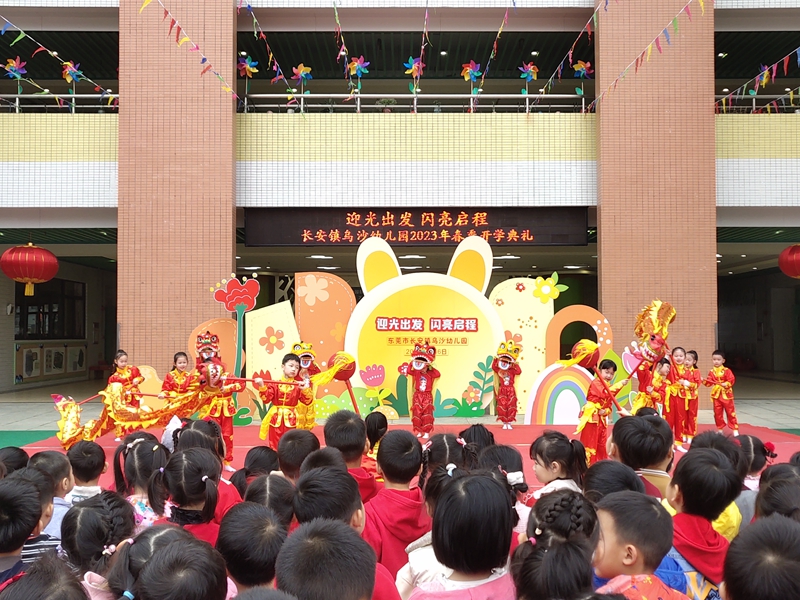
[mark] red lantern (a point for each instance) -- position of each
(29, 264)
(789, 261)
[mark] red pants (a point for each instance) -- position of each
(422, 412)
(276, 433)
(507, 404)
(722, 407)
(678, 409)
(691, 418)
(226, 425)
(593, 436)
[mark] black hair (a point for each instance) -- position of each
(377, 426)
(135, 462)
(49, 578)
(795, 459)
(718, 352)
(608, 476)
(263, 593)
(556, 561)
(643, 442)
(20, 512)
(274, 492)
(503, 480)
(293, 448)
(508, 461)
(177, 356)
(607, 363)
(13, 458)
(781, 496)
(479, 435)
(131, 558)
(438, 481)
(327, 494)
(641, 521)
(43, 482)
(763, 561)
(259, 460)
(554, 446)
(694, 354)
(250, 537)
(730, 448)
(473, 512)
(780, 471)
(399, 456)
(93, 528)
(755, 453)
(119, 354)
(52, 462)
(646, 411)
(198, 433)
(2, 471)
(190, 477)
(87, 459)
(326, 559)
(324, 458)
(346, 431)
(191, 570)
(443, 449)
(708, 482)
(664, 361)
(681, 348)
(289, 357)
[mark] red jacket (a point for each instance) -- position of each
(366, 483)
(208, 532)
(227, 497)
(385, 588)
(394, 519)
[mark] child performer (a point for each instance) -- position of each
(658, 387)
(677, 389)
(593, 425)
(692, 400)
(308, 368)
(720, 379)
(422, 371)
(177, 380)
(130, 378)
(285, 397)
(506, 367)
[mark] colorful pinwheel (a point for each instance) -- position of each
(70, 72)
(358, 66)
(302, 73)
(583, 69)
(247, 66)
(15, 68)
(470, 71)
(529, 71)
(414, 67)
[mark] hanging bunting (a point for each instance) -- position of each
(272, 62)
(494, 50)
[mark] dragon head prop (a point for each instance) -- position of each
(207, 346)
(652, 330)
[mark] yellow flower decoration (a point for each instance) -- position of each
(548, 289)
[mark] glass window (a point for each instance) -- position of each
(56, 311)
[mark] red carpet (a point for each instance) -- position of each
(521, 436)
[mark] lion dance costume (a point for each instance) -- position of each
(652, 330)
(282, 416)
(506, 369)
(306, 414)
(424, 375)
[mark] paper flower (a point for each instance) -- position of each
(15, 68)
(414, 67)
(272, 340)
(247, 66)
(471, 71)
(70, 72)
(358, 66)
(583, 69)
(302, 73)
(529, 71)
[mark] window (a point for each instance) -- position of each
(56, 311)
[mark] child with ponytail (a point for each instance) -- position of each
(559, 463)
(189, 481)
(443, 449)
(260, 460)
(134, 464)
(508, 462)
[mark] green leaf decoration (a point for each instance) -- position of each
(562, 288)
(554, 277)
(401, 405)
(242, 417)
(478, 374)
(579, 91)
(446, 408)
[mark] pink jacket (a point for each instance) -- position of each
(501, 588)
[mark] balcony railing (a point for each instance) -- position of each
(59, 103)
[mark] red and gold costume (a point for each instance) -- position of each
(644, 398)
(594, 418)
(677, 398)
(130, 378)
(424, 375)
(306, 413)
(176, 382)
(692, 401)
(658, 396)
(720, 380)
(282, 417)
(506, 370)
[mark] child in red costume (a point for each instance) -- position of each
(424, 375)
(721, 379)
(658, 387)
(130, 378)
(644, 375)
(284, 397)
(692, 399)
(506, 368)
(678, 390)
(308, 368)
(178, 380)
(593, 425)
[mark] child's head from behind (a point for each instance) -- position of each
(642, 442)
(190, 570)
(479, 435)
(704, 484)
(13, 458)
(377, 426)
(45, 486)
(259, 460)
(49, 578)
(608, 476)
(57, 466)
(290, 365)
(508, 461)
(93, 530)
(438, 481)
(443, 449)
(325, 559)
(399, 457)
(189, 480)
(635, 534)
(250, 537)
(88, 460)
(293, 448)
(263, 593)
(555, 456)
(135, 462)
(328, 494)
(727, 445)
(473, 512)
(20, 512)
(756, 453)
(274, 492)
(200, 434)
(763, 561)
(324, 458)
(347, 432)
(779, 495)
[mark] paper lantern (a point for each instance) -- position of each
(789, 261)
(29, 265)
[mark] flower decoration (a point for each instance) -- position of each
(529, 71)
(548, 289)
(583, 69)
(471, 395)
(358, 66)
(302, 74)
(520, 287)
(272, 340)
(313, 289)
(236, 293)
(471, 71)
(15, 68)
(414, 67)
(70, 72)
(514, 337)
(499, 302)
(373, 376)
(247, 66)
(338, 331)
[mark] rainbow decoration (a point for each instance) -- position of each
(558, 395)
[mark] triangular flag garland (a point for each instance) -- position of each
(342, 54)
(424, 43)
(180, 40)
(494, 50)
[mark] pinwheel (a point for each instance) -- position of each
(247, 66)
(70, 72)
(358, 66)
(471, 71)
(583, 69)
(15, 68)
(302, 74)
(529, 71)
(414, 67)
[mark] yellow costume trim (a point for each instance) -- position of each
(583, 349)
(341, 360)
(590, 409)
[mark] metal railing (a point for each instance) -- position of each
(59, 103)
(759, 103)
